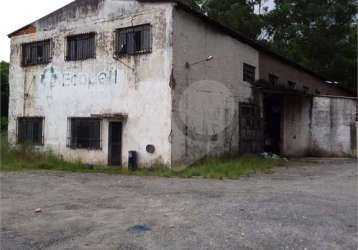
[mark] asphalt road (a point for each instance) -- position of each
(308, 206)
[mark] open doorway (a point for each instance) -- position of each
(273, 113)
(115, 144)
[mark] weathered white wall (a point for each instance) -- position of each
(206, 96)
(64, 89)
(333, 126)
(296, 125)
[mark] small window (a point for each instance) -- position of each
(81, 47)
(30, 130)
(85, 133)
(292, 85)
(305, 90)
(36, 53)
(273, 80)
(133, 40)
(249, 73)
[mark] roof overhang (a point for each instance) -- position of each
(279, 89)
(114, 116)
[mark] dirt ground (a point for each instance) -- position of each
(308, 206)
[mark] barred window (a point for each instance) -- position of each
(292, 85)
(81, 47)
(36, 53)
(133, 40)
(85, 133)
(249, 73)
(30, 130)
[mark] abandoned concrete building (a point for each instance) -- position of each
(97, 79)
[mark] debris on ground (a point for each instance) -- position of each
(38, 210)
(140, 228)
(272, 156)
(89, 166)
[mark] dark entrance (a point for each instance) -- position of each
(273, 110)
(251, 135)
(115, 144)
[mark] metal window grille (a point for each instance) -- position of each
(30, 130)
(249, 73)
(133, 40)
(292, 85)
(36, 53)
(251, 130)
(273, 79)
(81, 47)
(84, 133)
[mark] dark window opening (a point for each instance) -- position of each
(292, 85)
(305, 90)
(249, 73)
(318, 92)
(133, 40)
(273, 79)
(30, 130)
(36, 53)
(85, 133)
(81, 47)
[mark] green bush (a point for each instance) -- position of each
(25, 157)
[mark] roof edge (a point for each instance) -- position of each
(237, 35)
(255, 44)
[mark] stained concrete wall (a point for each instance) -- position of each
(102, 85)
(333, 126)
(296, 125)
(206, 95)
(319, 126)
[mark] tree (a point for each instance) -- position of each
(4, 81)
(237, 14)
(320, 35)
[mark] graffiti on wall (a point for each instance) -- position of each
(51, 77)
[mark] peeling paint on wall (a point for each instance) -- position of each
(103, 85)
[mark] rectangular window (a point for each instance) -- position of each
(81, 47)
(291, 85)
(273, 80)
(306, 90)
(85, 133)
(36, 53)
(133, 40)
(249, 73)
(29, 130)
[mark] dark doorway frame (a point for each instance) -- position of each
(250, 129)
(115, 143)
(273, 105)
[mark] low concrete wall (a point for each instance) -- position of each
(333, 128)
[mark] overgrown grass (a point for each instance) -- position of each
(26, 158)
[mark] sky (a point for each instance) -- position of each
(18, 13)
(15, 14)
